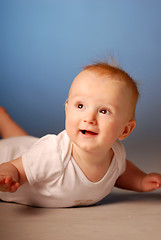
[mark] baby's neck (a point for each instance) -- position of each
(94, 165)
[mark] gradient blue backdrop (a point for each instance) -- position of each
(44, 44)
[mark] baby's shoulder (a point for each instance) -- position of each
(118, 148)
(119, 156)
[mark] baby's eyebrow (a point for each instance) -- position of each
(113, 106)
(77, 98)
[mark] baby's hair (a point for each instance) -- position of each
(117, 73)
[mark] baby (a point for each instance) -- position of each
(80, 165)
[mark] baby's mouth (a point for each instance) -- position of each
(85, 132)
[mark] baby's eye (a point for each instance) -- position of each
(80, 106)
(104, 111)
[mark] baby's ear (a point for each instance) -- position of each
(66, 104)
(128, 129)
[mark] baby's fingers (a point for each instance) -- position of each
(151, 182)
(14, 187)
(3, 184)
(7, 184)
(155, 178)
(152, 186)
(11, 185)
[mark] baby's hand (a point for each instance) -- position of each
(151, 182)
(7, 184)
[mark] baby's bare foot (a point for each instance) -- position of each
(2, 109)
(3, 113)
(8, 127)
(4, 118)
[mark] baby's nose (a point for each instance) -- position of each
(90, 122)
(90, 118)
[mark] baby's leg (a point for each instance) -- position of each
(8, 127)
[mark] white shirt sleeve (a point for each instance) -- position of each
(120, 154)
(42, 162)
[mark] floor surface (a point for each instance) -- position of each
(122, 215)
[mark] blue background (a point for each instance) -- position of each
(44, 44)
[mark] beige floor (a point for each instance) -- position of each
(122, 215)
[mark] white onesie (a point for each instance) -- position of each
(54, 178)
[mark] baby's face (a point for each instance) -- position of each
(97, 111)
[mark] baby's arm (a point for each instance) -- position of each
(136, 180)
(12, 175)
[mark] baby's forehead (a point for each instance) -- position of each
(88, 83)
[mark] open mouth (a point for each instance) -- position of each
(85, 132)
